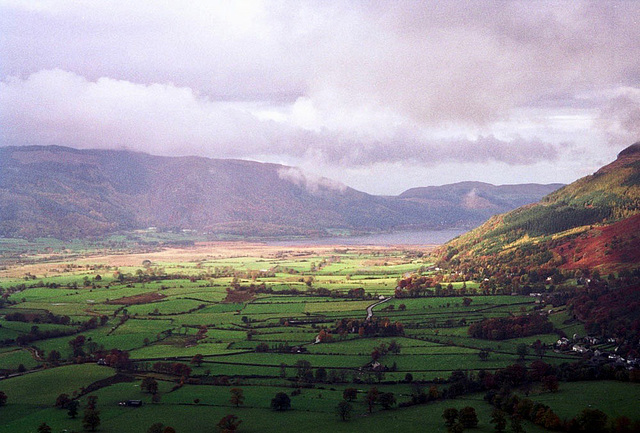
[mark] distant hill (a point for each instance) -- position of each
(483, 198)
(67, 193)
(593, 222)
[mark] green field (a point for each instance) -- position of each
(254, 315)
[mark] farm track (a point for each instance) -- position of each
(370, 307)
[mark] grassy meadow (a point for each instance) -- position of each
(253, 313)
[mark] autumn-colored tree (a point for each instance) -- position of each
(92, 402)
(350, 394)
(468, 417)
(499, 419)
(237, 397)
(62, 401)
(197, 359)
(54, 357)
(450, 416)
(550, 383)
(371, 398)
(229, 423)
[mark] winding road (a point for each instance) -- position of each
(370, 307)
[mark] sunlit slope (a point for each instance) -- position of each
(597, 213)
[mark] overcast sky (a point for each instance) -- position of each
(381, 95)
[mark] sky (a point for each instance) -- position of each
(381, 96)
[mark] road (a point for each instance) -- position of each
(370, 308)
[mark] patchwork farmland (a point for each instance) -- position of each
(201, 321)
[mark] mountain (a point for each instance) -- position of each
(593, 222)
(66, 193)
(483, 198)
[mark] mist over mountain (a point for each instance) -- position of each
(64, 192)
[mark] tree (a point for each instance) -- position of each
(522, 350)
(44, 428)
(550, 383)
(197, 359)
(237, 397)
(468, 417)
(387, 399)
(456, 428)
(92, 401)
(303, 368)
(499, 419)
(72, 408)
(516, 424)
(344, 410)
(91, 419)
(483, 355)
(150, 384)
(450, 416)
(54, 357)
(281, 402)
(350, 394)
(539, 348)
(371, 398)
(229, 423)
(3, 398)
(592, 420)
(62, 401)
(321, 374)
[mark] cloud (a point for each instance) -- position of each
(312, 183)
(58, 107)
(620, 116)
(320, 84)
(430, 62)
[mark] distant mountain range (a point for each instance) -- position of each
(591, 223)
(68, 193)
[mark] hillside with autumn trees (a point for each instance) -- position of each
(592, 223)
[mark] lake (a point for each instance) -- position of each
(421, 237)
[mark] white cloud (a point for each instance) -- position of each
(345, 84)
(312, 183)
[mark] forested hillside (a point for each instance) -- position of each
(593, 222)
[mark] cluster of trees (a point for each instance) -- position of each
(174, 368)
(589, 420)
(37, 318)
(158, 427)
(376, 326)
(382, 349)
(457, 420)
(91, 419)
(413, 286)
(344, 408)
(511, 327)
(610, 312)
(35, 334)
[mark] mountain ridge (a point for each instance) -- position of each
(65, 192)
